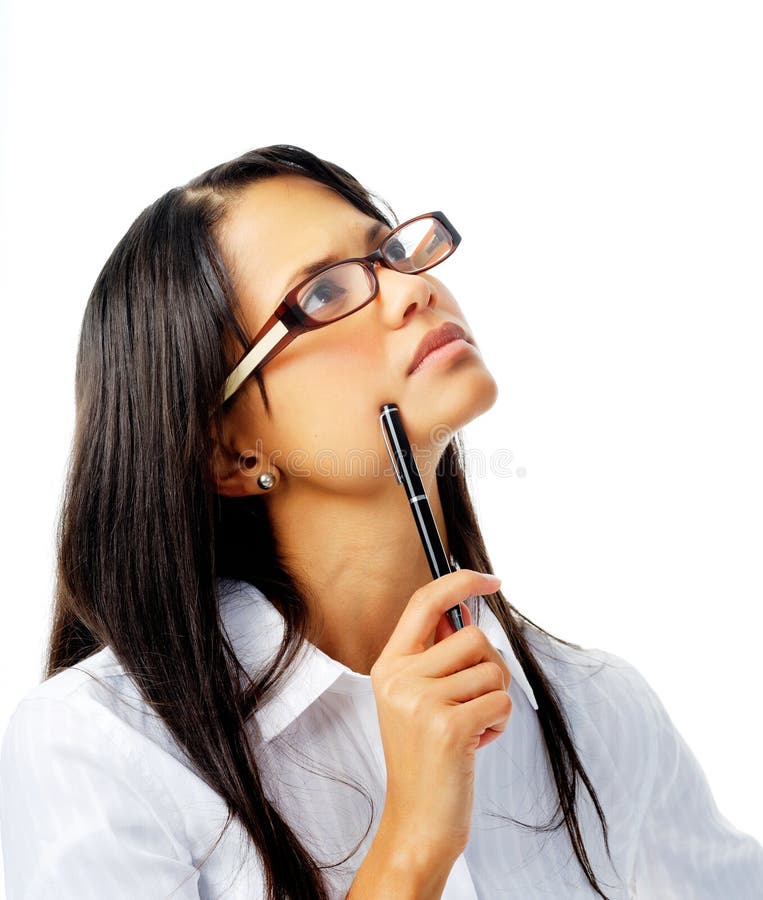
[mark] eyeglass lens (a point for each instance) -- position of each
(418, 245)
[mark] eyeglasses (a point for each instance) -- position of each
(340, 289)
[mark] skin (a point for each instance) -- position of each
(342, 522)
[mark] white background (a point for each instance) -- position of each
(603, 163)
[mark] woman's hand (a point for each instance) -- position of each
(441, 695)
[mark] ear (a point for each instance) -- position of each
(235, 473)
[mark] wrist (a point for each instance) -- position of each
(400, 866)
(413, 859)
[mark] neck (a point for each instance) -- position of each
(358, 559)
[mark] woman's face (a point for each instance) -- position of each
(326, 388)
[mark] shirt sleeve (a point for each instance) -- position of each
(78, 815)
(687, 850)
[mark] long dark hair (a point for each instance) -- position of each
(143, 536)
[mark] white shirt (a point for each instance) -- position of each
(97, 801)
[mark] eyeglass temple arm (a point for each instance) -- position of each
(271, 339)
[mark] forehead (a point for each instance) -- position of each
(282, 223)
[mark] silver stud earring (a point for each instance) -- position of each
(266, 480)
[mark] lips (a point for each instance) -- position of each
(435, 338)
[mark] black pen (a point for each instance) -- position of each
(407, 474)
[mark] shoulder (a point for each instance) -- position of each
(86, 738)
(591, 676)
(92, 710)
(90, 794)
(89, 687)
(82, 688)
(611, 708)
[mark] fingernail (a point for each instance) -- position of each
(492, 579)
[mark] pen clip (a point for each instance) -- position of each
(389, 449)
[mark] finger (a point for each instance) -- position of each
(489, 735)
(416, 626)
(486, 717)
(461, 650)
(460, 687)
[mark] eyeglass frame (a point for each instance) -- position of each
(289, 320)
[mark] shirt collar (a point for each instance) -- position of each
(255, 629)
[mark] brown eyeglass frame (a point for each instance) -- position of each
(289, 320)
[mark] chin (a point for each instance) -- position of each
(448, 410)
(473, 403)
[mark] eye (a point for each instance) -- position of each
(322, 293)
(395, 250)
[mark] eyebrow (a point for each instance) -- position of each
(313, 267)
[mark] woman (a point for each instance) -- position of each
(252, 687)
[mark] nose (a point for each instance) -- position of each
(402, 295)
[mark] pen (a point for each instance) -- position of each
(407, 474)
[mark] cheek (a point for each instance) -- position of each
(342, 364)
(330, 401)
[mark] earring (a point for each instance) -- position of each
(266, 480)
